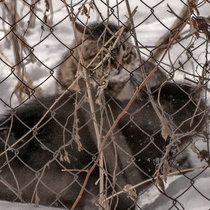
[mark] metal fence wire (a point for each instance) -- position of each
(104, 104)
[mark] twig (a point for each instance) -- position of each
(90, 100)
(119, 32)
(165, 38)
(175, 138)
(8, 162)
(172, 134)
(160, 115)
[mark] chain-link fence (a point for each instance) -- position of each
(104, 104)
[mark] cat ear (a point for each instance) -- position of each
(81, 28)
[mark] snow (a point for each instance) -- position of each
(4, 205)
(50, 52)
(190, 194)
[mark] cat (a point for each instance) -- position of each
(118, 75)
(31, 170)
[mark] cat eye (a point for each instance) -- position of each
(126, 56)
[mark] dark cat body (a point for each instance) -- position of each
(143, 127)
(137, 135)
(43, 149)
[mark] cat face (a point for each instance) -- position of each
(104, 51)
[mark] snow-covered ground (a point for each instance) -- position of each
(4, 205)
(190, 194)
(50, 52)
